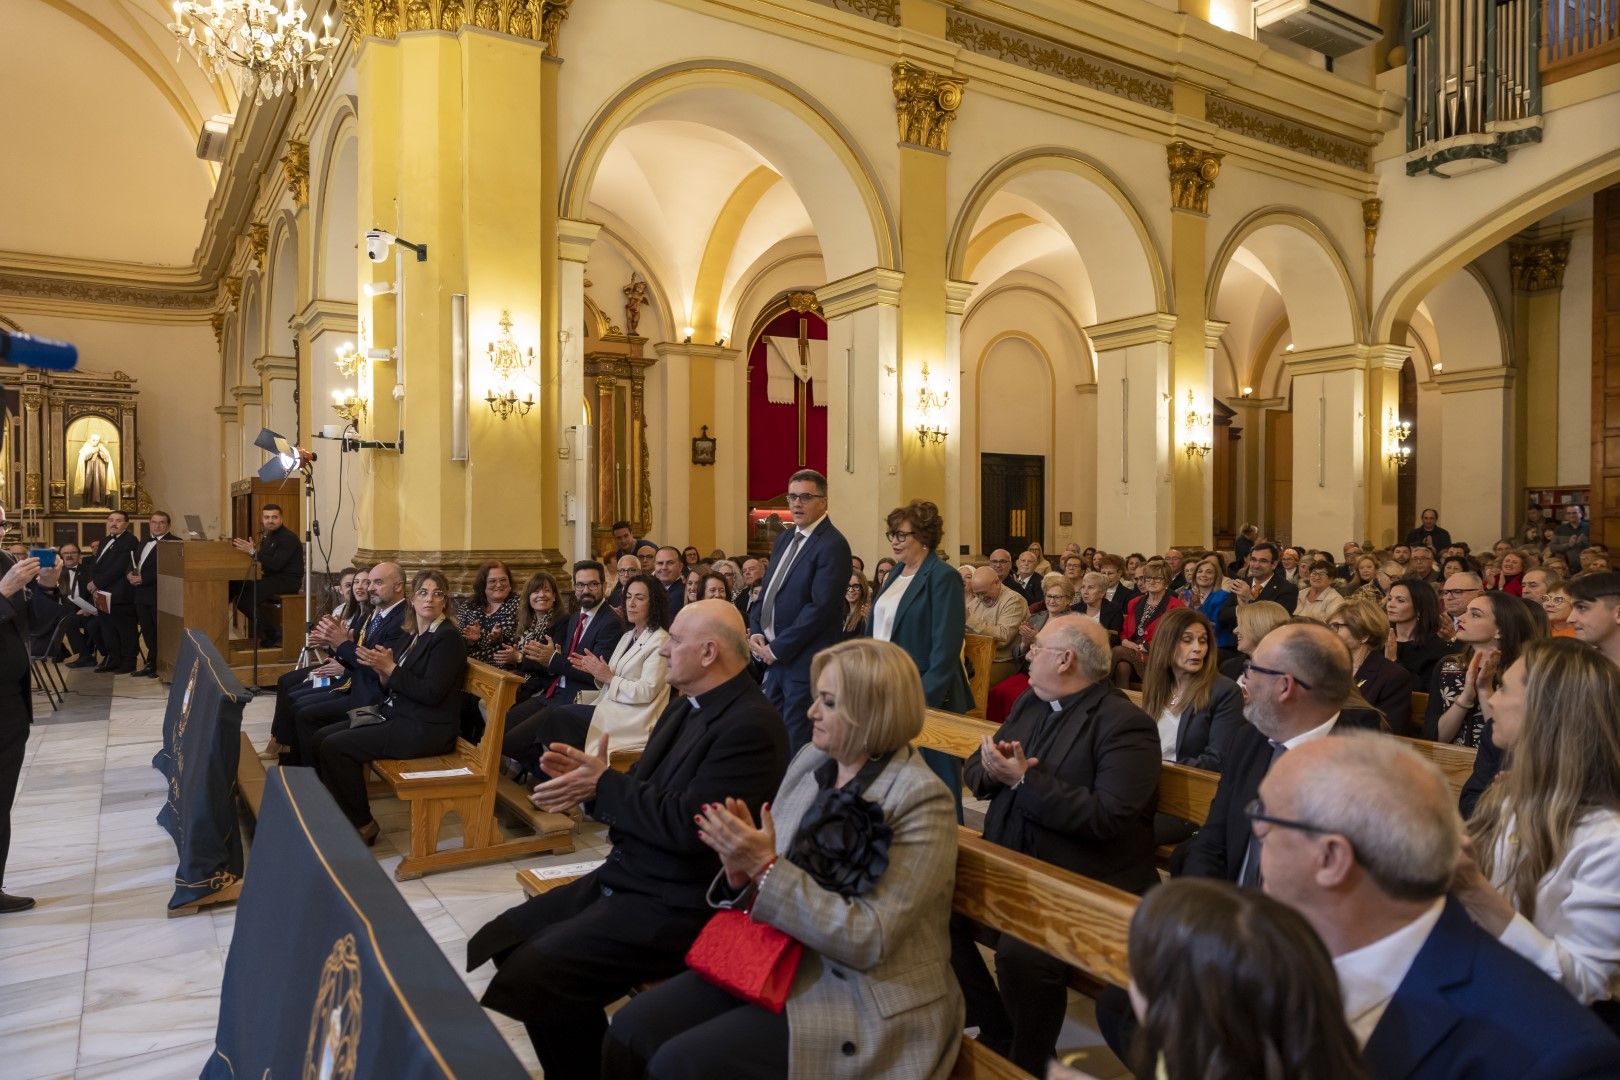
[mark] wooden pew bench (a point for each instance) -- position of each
(1457, 762)
(470, 793)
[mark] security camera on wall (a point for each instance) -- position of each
(378, 241)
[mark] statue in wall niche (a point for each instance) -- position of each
(95, 472)
(635, 294)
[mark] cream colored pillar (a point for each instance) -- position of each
(1537, 267)
(702, 387)
(1134, 437)
(1251, 418)
(958, 510)
(672, 455)
(1476, 504)
(1330, 446)
(1192, 177)
(324, 328)
(578, 475)
(864, 434)
(1381, 468)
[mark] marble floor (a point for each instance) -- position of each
(97, 981)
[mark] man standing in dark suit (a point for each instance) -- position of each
(1359, 835)
(16, 699)
(145, 581)
(1071, 778)
(594, 628)
(801, 610)
(566, 954)
(115, 596)
(281, 572)
(1264, 582)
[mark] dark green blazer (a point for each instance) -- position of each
(929, 625)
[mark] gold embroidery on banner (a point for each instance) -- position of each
(332, 1051)
(1052, 58)
(1269, 128)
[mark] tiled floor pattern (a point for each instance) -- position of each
(97, 982)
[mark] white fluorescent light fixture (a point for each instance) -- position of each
(380, 288)
(379, 354)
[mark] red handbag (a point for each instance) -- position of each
(753, 960)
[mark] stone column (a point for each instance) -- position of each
(576, 476)
(1537, 268)
(705, 502)
(950, 381)
(1134, 436)
(1192, 177)
(1330, 446)
(864, 432)
(672, 496)
(1475, 504)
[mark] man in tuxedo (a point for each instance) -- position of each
(593, 628)
(1265, 582)
(670, 572)
(564, 955)
(1071, 778)
(801, 610)
(1429, 534)
(312, 709)
(115, 596)
(281, 571)
(1359, 835)
(144, 579)
(16, 699)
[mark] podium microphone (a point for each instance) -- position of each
(35, 352)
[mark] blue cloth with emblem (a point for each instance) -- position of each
(330, 973)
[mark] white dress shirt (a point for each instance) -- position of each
(796, 550)
(1370, 975)
(888, 606)
(1575, 936)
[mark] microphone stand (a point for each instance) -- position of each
(307, 656)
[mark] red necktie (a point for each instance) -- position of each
(573, 647)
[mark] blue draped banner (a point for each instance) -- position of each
(330, 975)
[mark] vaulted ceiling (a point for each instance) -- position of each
(99, 134)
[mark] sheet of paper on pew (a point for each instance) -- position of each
(566, 870)
(435, 774)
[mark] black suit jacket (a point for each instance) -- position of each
(281, 563)
(733, 745)
(146, 591)
(365, 688)
(809, 604)
(1388, 687)
(1032, 590)
(424, 690)
(113, 563)
(16, 673)
(1471, 1007)
(1438, 540)
(1087, 806)
(1204, 736)
(1279, 590)
(602, 633)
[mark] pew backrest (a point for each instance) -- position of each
(980, 652)
(1456, 762)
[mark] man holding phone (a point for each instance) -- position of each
(16, 698)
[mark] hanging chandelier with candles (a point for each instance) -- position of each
(266, 50)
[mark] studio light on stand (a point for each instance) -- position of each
(289, 460)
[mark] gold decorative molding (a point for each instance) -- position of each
(216, 322)
(1061, 61)
(1538, 266)
(295, 167)
(1192, 176)
(258, 238)
(925, 104)
(1372, 211)
(232, 287)
(33, 491)
(531, 20)
(460, 567)
(883, 11)
(1273, 129)
(803, 302)
(81, 291)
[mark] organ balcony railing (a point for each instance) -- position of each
(1579, 36)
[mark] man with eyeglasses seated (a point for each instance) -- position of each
(1455, 594)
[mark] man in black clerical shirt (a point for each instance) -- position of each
(1071, 778)
(281, 571)
(564, 955)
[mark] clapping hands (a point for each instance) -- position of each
(729, 829)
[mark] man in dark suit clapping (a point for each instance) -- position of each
(801, 610)
(1264, 581)
(594, 628)
(566, 954)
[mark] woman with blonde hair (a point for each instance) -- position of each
(1542, 868)
(1387, 687)
(1254, 621)
(872, 910)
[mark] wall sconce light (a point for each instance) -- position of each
(350, 406)
(1397, 435)
(348, 360)
(1200, 428)
(504, 405)
(929, 402)
(506, 360)
(1248, 391)
(703, 448)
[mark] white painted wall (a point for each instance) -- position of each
(1575, 364)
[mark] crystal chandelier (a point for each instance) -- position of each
(263, 48)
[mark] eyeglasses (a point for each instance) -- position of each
(1250, 667)
(1460, 592)
(1033, 649)
(1555, 601)
(1256, 811)
(795, 498)
(1337, 626)
(896, 536)
(1056, 597)
(852, 587)
(433, 594)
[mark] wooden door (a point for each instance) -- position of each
(1012, 495)
(1279, 515)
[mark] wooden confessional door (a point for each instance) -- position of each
(1012, 498)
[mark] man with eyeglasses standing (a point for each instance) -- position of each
(801, 610)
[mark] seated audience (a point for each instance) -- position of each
(1386, 686)
(1141, 616)
(1001, 561)
(870, 920)
(1319, 599)
(1573, 534)
(996, 610)
(1288, 560)
(539, 607)
(1264, 581)
(1254, 622)
(713, 586)
(1071, 778)
(1492, 630)
(489, 621)
(419, 715)
(564, 955)
(880, 572)
(1196, 708)
(1595, 612)
(1042, 565)
(1117, 595)
(857, 605)
(1090, 600)
(1416, 640)
(1542, 870)
(666, 567)
(1058, 601)
(1025, 579)
(1510, 573)
(692, 585)
(1247, 537)
(753, 571)
(729, 570)
(1455, 594)
(1422, 565)
(1358, 834)
(1533, 587)
(625, 568)
(300, 683)
(632, 689)
(1363, 579)
(690, 557)
(1278, 1012)
(1204, 594)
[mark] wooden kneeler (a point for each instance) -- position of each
(471, 795)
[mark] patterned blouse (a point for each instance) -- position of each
(503, 619)
(1449, 679)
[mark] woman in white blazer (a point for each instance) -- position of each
(1542, 869)
(633, 688)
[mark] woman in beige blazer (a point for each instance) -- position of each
(873, 994)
